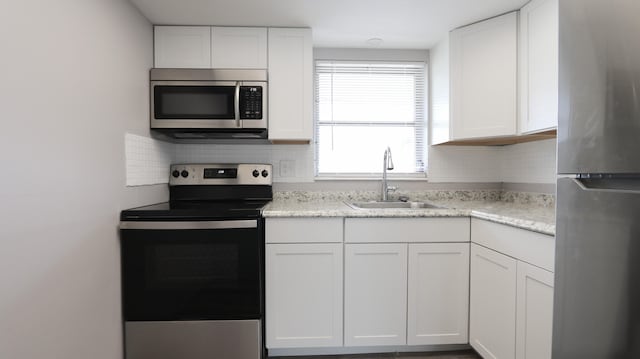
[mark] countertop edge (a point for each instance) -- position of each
(342, 210)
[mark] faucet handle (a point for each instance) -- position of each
(391, 188)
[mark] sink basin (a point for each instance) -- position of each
(391, 205)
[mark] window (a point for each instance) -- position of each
(361, 108)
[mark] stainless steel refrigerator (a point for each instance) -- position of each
(597, 278)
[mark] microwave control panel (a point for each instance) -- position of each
(251, 102)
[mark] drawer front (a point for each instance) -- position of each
(388, 230)
(303, 230)
(531, 247)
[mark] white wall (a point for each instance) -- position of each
(74, 79)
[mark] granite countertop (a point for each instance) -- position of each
(528, 211)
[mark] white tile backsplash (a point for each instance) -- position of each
(147, 160)
(464, 164)
(532, 162)
(297, 159)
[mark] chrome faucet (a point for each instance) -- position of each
(387, 164)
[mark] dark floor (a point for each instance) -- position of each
(465, 354)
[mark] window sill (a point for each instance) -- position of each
(373, 179)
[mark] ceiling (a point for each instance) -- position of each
(401, 24)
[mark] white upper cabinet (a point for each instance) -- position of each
(474, 82)
(182, 47)
(440, 67)
(287, 54)
(538, 66)
(484, 78)
(210, 47)
(290, 84)
(238, 47)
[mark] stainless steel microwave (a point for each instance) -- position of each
(209, 103)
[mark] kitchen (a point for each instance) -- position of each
(66, 152)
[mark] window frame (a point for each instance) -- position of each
(421, 131)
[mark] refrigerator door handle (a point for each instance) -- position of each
(621, 185)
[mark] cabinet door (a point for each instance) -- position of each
(182, 46)
(534, 320)
(484, 78)
(375, 302)
(438, 293)
(303, 295)
(539, 66)
(290, 84)
(238, 47)
(493, 303)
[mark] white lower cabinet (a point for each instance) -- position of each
(438, 293)
(493, 303)
(511, 301)
(404, 282)
(534, 312)
(375, 302)
(304, 295)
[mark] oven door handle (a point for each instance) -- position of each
(236, 224)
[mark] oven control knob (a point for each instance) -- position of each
(265, 173)
(255, 173)
(175, 173)
(184, 173)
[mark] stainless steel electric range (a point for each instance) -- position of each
(193, 268)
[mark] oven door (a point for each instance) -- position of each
(180, 271)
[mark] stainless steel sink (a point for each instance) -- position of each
(391, 205)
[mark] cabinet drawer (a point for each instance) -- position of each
(303, 230)
(377, 230)
(535, 248)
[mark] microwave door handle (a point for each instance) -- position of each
(237, 104)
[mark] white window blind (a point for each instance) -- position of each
(361, 108)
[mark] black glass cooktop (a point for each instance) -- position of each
(195, 210)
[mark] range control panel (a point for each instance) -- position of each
(220, 174)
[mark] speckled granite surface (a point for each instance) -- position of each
(535, 212)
